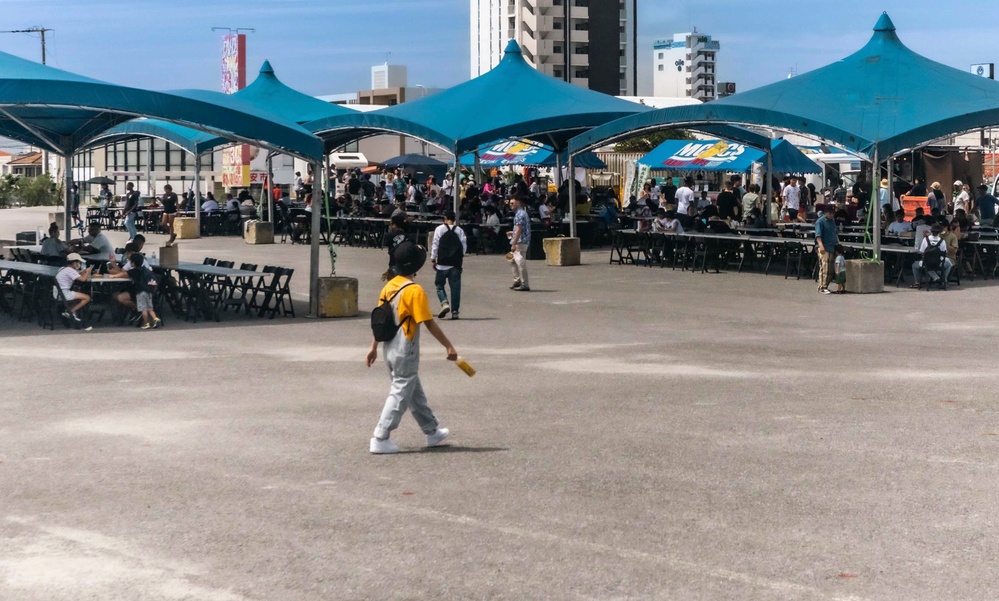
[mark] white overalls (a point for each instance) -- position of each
(403, 359)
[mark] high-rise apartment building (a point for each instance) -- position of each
(684, 66)
(591, 43)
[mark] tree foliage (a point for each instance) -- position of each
(647, 141)
(37, 191)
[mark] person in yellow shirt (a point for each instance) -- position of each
(402, 353)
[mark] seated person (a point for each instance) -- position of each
(952, 236)
(688, 220)
(919, 218)
(53, 246)
(961, 216)
(755, 218)
(231, 204)
(842, 217)
(544, 214)
(899, 227)
(247, 208)
(642, 215)
(717, 225)
(210, 204)
(659, 223)
(703, 201)
(672, 223)
(934, 240)
(94, 243)
(65, 278)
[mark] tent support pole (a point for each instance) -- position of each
(197, 189)
(891, 182)
(770, 186)
(479, 177)
(456, 184)
(875, 206)
(269, 188)
(572, 196)
(558, 170)
(68, 192)
(317, 211)
(149, 168)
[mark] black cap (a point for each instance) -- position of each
(449, 215)
(408, 258)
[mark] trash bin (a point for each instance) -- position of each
(536, 250)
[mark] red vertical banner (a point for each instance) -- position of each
(235, 158)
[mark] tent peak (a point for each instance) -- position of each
(266, 68)
(512, 47)
(884, 23)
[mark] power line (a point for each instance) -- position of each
(41, 30)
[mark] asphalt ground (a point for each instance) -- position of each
(632, 433)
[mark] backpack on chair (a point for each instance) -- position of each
(933, 257)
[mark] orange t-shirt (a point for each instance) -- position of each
(412, 303)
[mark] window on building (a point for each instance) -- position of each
(582, 3)
(582, 26)
(581, 73)
(557, 73)
(581, 50)
(557, 25)
(557, 49)
(660, 67)
(660, 56)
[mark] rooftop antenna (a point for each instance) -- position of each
(387, 55)
(41, 30)
(234, 29)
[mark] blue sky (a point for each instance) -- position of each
(323, 47)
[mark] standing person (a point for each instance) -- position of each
(986, 204)
(751, 199)
(935, 198)
(169, 202)
(447, 187)
(839, 193)
(685, 196)
(839, 268)
(669, 193)
(446, 255)
(520, 240)
(131, 209)
(728, 203)
(389, 183)
(402, 352)
(299, 185)
(65, 278)
(792, 200)
(105, 197)
(143, 285)
(75, 213)
(826, 240)
(962, 197)
(400, 185)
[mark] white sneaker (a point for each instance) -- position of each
(383, 447)
(437, 437)
(445, 309)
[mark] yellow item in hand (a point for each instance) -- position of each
(465, 367)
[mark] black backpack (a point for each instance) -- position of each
(418, 195)
(383, 318)
(449, 250)
(933, 256)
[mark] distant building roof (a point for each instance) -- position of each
(30, 158)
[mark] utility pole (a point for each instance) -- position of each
(39, 30)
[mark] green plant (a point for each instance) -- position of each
(7, 185)
(37, 191)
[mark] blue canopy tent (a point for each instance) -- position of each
(788, 159)
(702, 155)
(265, 93)
(513, 100)
(61, 112)
(875, 103)
(522, 152)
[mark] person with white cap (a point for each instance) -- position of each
(962, 197)
(409, 307)
(65, 278)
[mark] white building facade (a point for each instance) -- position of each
(590, 43)
(685, 66)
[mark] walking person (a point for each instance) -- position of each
(409, 306)
(520, 240)
(131, 209)
(75, 213)
(169, 202)
(826, 239)
(446, 254)
(143, 286)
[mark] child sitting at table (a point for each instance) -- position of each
(144, 285)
